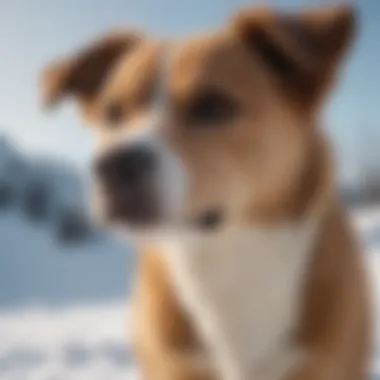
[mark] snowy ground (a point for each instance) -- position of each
(63, 314)
(79, 343)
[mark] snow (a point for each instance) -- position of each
(64, 312)
(76, 343)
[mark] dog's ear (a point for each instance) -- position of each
(83, 74)
(303, 50)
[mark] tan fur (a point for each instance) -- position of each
(83, 75)
(269, 165)
(311, 42)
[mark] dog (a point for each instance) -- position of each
(209, 151)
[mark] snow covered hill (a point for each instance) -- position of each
(46, 191)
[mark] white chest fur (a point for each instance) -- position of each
(243, 291)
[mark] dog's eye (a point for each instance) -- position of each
(211, 108)
(113, 113)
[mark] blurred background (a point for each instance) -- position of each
(63, 285)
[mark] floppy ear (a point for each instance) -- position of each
(302, 50)
(82, 74)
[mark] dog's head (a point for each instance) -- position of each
(213, 130)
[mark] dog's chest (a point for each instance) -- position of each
(243, 292)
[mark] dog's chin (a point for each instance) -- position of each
(144, 226)
(139, 216)
(147, 221)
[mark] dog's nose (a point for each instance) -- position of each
(127, 165)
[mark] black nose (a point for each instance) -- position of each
(128, 165)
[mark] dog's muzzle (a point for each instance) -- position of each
(127, 176)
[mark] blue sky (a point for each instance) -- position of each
(34, 31)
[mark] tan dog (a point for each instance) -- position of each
(209, 149)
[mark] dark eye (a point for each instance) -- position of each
(113, 113)
(211, 108)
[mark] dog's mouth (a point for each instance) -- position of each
(142, 211)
